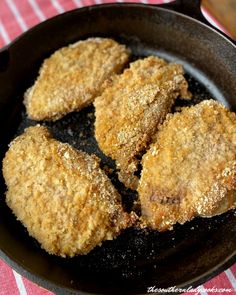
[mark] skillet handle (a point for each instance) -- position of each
(192, 8)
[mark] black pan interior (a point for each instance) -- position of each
(138, 258)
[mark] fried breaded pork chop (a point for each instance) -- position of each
(191, 168)
(72, 77)
(61, 195)
(131, 109)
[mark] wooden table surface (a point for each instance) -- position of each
(224, 11)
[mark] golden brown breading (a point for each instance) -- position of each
(73, 76)
(61, 195)
(131, 109)
(191, 168)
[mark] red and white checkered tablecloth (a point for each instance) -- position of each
(17, 16)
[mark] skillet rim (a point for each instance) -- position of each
(43, 281)
(97, 6)
(59, 289)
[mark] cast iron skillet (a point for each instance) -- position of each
(190, 254)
